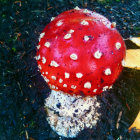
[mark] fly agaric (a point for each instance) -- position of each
(80, 53)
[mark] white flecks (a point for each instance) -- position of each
(60, 80)
(43, 60)
(39, 66)
(67, 104)
(97, 104)
(118, 45)
(41, 35)
(52, 18)
(65, 85)
(123, 62)
(86, 38)
(59, 23)
(47, 80)
(97, 54)
(87, 85)
(71, 31)
(86, 11)
(113, 24)
(53, 77)
(47, 44)
(42, 72)
(94, 90)
(54, 64)
(106, 23)
(73, 86)
(77, 8)
(74, 56)
(79, 75)
(56, 87)
(38, 47)
(67, 75)
(53, 86)
(67, 36)
(37, 57)
(110, 87)
(105, 88)
(84, 22)
(74, 115)
(108, 71)
(46, 72)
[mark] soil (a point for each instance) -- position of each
(22, 89)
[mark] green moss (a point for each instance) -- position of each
(14, 49)
(104, 1)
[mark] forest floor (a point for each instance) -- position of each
(22, 90)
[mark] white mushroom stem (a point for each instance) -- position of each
(69, 115)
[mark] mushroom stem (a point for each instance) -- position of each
(69, 115)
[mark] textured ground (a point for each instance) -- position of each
(22, 90)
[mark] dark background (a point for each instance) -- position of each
(22, 90)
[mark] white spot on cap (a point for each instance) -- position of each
(41, 35)
(59, 23)
(52, 18)
(94, 90)
(110, 87)
(71, 31)
(60, 80)
(47, 44)
(54, 64)
(123, 63)
(39, 66)
(84, 22)
(77, 8)
(97, 54)
(86, 38)
(73, 56)
(53, 86)
(79, 75)
(67, 36)
(118, 45)
(46, 72)
(105, 88)
(37, 57)
(47, 80)
(73, 86)
(53, 77)
(86, 11)
(43, 60)
(113, 24)
(65, 85)
(38, 47)
(67, 75)
(108, 71)
(56, 87)
(42, 72)
(87, 85)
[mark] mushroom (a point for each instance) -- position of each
(80, 55)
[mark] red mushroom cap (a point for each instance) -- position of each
(80, 52)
